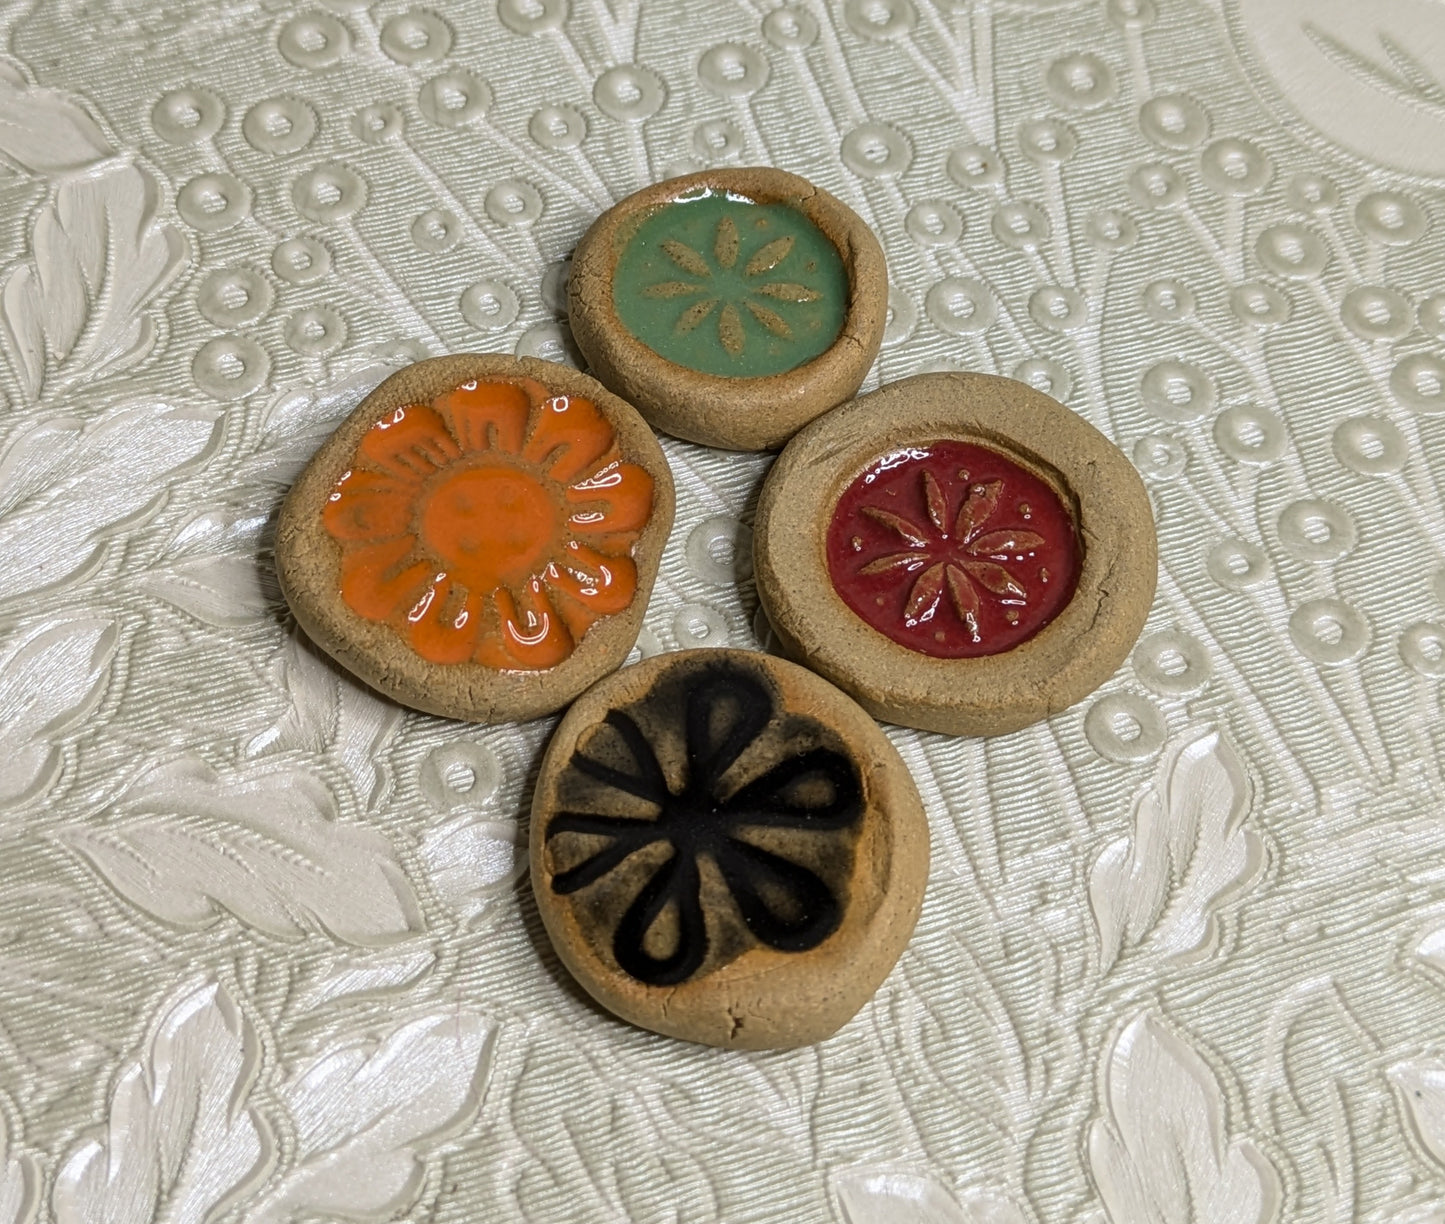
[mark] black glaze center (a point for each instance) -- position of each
(783, 903)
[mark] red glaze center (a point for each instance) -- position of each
(953, 550)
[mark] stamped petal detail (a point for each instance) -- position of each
(769, 256)
(444, 625)
(569, 437)
(725, 244)
(770, 319)
(926, 593)
(487, 416)
(759, 880)
(914, 535)
(994, 578)
(788, 291)
(379, 581)
(671, 289)
(694, 315)
(730, 329)
(531, 636)
(589, 585)
(964, 596)
(909, 560)
(411, 444)
(937, 503)
(1006, 543)
(368, 507)
(977, 508)
(676, 885)
(685, 257)
(618, 498)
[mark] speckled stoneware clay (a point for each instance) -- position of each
(480, 537)
(959, 552)
(726, 849)
(731, 306)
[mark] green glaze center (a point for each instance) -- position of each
(727, 286)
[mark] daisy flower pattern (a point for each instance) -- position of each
(953, 550)
(494, 525)
(731, 287)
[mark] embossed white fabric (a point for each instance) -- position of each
(267, 951)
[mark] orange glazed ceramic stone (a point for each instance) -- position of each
(959, 552)
(480, 537)
(731, 306)
(726, 849)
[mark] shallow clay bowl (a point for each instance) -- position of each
(1101, 499)
(732, 411)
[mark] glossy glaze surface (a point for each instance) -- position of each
(727, 286)
(952, 549)
(494, 525)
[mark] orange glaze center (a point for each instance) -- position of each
(491, 526)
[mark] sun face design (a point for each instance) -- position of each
(953, 550)
(494, 525)
(731, 287)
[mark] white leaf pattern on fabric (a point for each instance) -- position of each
(327, 707)
(1162, 1153)
(19, 1181)
(48, 684)
(265, 845)
(99, 257)
(470, 861)
(300, 419)
(367, 1114)
(44, 131)
(1188, 854)
(67, 487)
(179, 1143)
(1421, 1085)
(222, 591)
(896, 1196)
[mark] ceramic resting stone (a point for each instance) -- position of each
(731, 306)
(959, 552)
(726, 849)
(480, 537)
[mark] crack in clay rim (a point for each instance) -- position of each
(986, 695)
(722, 410)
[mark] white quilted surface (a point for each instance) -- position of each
(266, 947)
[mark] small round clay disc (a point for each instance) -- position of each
(731, 306)
(480, 537)
(726, 849)
(959, 552)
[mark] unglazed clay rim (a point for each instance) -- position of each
(308, 559)
(842, 973)
(758, 413)
(992, 694)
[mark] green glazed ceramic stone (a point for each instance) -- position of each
(727, 286)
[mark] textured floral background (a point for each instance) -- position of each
(267, 951)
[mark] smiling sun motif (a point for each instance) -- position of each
(494, 525)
